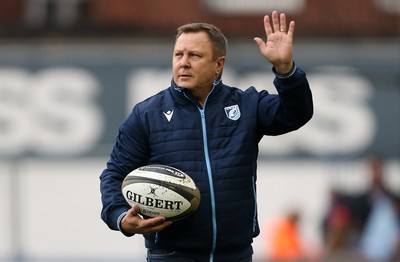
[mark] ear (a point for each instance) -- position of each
(220, 62)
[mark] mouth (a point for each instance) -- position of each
(184, 76)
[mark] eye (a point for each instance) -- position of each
(178, 54)
(195, 56)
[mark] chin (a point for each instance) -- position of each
(184, 85)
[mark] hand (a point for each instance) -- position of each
(132, 223)
(279, 46)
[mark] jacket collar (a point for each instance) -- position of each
(183, 95)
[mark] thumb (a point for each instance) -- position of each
(134, 211)
(259, 42)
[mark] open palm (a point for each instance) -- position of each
(278, 48)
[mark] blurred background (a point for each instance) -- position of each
(71, 70)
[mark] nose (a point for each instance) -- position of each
(184, 62)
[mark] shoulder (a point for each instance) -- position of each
(246, 95)
(146, 106)
(152, 101)
(250, 90)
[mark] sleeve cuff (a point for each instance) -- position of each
(120, 219)
(287, 75)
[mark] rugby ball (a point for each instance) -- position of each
(161, 190)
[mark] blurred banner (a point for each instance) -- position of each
(71, 71)
(61, 105)
(68, 100)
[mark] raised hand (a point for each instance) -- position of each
(278, 49)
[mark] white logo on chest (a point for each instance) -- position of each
(169, 114)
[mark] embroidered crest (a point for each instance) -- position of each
(232, 112)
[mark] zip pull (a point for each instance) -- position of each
(202, 113)
(156, 238)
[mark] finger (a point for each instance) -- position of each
(267, 25)
(155, 224)
(259, 42)
(275, 21)
(162, 226)
(282, 21)
(134, 211)
(154, 221)
(291, 29)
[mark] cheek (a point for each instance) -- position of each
(175, 68)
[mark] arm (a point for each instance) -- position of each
(129, 152)
(290, 109)
(293, 107)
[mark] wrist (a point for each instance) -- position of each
(119, 224)
(286, 73)
(283, 68)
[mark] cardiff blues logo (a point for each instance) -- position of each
(232, 112)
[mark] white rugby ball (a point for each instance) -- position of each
(161, 190)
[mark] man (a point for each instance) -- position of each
(210, 131)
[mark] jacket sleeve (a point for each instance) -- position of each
(129, 152)
(290, 109)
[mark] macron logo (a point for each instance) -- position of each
(169, 114)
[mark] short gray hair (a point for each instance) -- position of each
(218, 40)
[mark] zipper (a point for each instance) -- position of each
(255, 205)
(208, 164)
(156, 238)
(210, 180)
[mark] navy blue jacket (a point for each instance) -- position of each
(217, 145)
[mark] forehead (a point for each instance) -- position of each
(193, 40)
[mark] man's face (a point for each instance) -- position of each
(193, 65)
